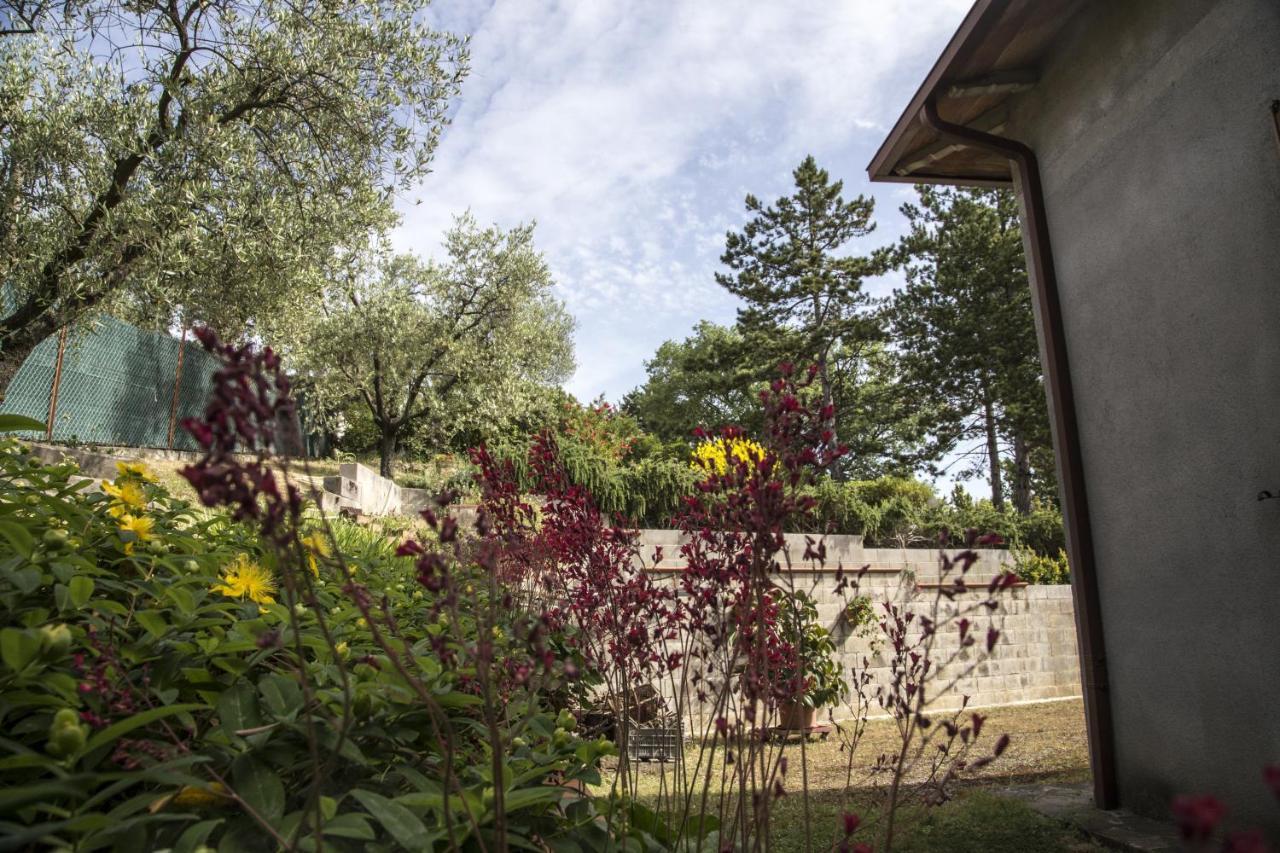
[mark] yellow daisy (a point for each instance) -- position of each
(316, 545)
(140, 526)
(128, 497)
(136, 471)
(244, 578)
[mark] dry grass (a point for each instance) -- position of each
(1047, 744)
(166, 471)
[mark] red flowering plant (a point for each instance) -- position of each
(584, 568)
(1201, 821)
(743, 664)
(933, 645)
(741, 667)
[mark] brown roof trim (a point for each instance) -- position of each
(981, 18)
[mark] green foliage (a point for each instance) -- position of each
(792, 266)
(205, 159)
(707, 380)
(965, 333)
(904, 513)
(1039, 568)
(646, 492)
(143, 708)
(439, 349)
(815, 651)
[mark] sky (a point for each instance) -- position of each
(631, 132)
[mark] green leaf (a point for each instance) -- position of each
(20, 423)
(238, 708)
(259, 786)
(403, 825)
(328, 807)
(115, 730)
(17, 537)
(282, 695)
(152, 621)
(14, 798)
(81, 589)
(195, 836)
(18, 647)
(523, 798)
(350, 825)
(27, 580)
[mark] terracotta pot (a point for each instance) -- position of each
(796, 716)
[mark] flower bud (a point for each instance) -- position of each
(67, 735)
(55, 640)
(65, 717)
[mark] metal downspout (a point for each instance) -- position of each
(1084, 576)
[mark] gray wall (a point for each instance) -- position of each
(1162, 180)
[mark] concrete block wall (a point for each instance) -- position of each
(361, 490)
(1035, 658)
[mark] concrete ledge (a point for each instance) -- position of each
(1119, 829)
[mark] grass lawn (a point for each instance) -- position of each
(1047, 745)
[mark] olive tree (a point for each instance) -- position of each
(203, 158)
(477, 337)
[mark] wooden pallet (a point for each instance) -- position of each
(784, 733)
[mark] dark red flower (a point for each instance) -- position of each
(1249, 841)
(1271, 775)
(1197, 815)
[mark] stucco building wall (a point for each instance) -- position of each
(1161, 173)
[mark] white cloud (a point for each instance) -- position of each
(632, 131)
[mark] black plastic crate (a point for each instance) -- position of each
(653, 743)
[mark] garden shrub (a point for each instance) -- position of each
(166, 681)
(1035, 568)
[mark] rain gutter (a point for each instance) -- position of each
(1062, 409)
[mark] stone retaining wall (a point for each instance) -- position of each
(1035, 658)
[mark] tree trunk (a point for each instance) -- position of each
(993, 452)
(386, 452)
(1021, 475)
(828, 399)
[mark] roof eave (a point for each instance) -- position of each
(976, 22)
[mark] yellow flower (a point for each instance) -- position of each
(316, 545)
(244, 578)
(135, 471)
(716, 455)
(140, 526)
(128, 494)
(341, 649)
(192, 796)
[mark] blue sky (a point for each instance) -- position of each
(630, 132)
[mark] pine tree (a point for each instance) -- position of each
(965, 333)
(802, 288)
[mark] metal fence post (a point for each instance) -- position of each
(177, 381)
(57, 380)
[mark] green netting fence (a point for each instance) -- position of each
(116, 387)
